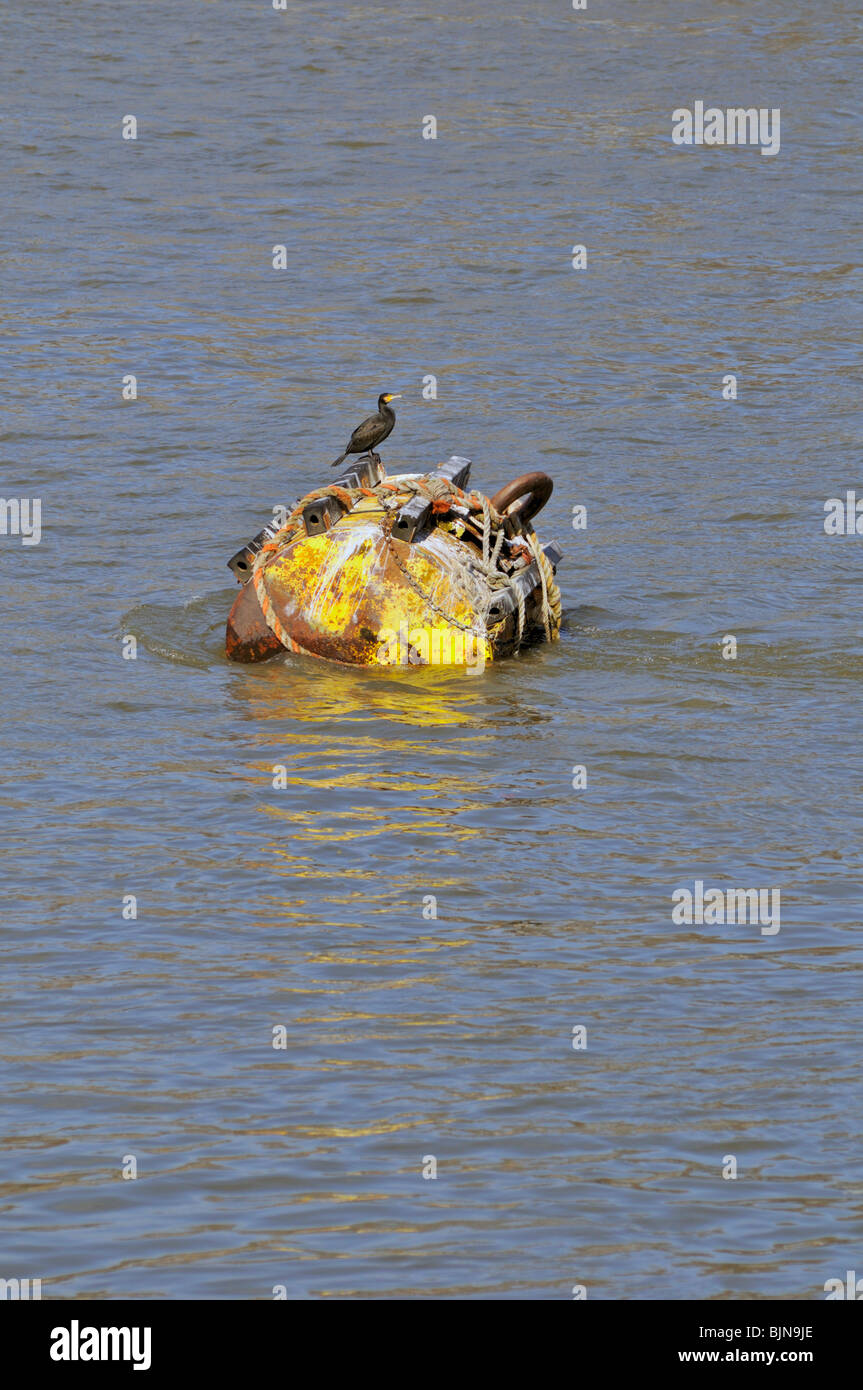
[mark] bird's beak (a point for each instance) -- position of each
(396, 397)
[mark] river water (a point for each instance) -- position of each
(303, 917)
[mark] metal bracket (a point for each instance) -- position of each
(366, 472)
(321, 514)
(457, 470)
(553, 554)
(412, 518)
(241, 564)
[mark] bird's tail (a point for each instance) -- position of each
(339, 460)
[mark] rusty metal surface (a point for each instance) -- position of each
(340, 594)
(337, 595)
(247, 636)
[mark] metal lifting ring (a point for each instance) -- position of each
(523, 497)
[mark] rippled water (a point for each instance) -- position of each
(408, 1036)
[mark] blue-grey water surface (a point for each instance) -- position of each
(408, 1036)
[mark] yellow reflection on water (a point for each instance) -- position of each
(310, 690)
(391, 760)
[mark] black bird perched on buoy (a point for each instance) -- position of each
(373, 430)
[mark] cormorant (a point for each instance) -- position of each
(373, 430)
